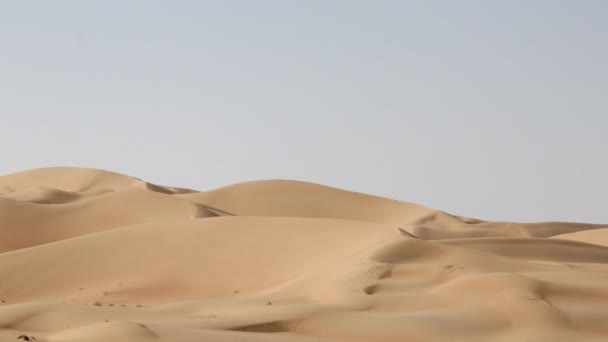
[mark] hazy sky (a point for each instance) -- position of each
(490, 109)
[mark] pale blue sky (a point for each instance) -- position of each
(490, 109)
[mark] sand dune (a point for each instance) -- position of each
(300, 199)
(91, 255)
(26, 224)
(595, 236)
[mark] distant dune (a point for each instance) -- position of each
(91, 255)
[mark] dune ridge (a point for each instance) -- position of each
(93, 255)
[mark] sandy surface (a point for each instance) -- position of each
(90, 255)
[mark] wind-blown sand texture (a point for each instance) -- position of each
(90, 255)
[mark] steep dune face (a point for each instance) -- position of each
(98, 256)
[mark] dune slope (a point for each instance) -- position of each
(92, 255)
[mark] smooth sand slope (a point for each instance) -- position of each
(91, 255)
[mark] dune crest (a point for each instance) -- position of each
(94, 255)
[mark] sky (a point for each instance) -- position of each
(489, 109)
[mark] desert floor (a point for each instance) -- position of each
(90, 255)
